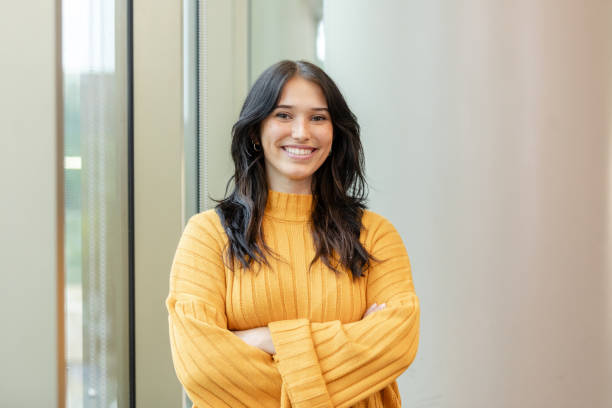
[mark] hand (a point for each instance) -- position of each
(259, 337)
(374, 308)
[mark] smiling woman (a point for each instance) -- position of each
(290, 292)
(296, 137)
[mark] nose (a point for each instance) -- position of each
(299, 130)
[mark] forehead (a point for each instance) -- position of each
(302, 93)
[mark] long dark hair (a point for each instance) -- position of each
(339, 187)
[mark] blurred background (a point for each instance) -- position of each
(487, 133)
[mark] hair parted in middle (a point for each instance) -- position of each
(339, 187)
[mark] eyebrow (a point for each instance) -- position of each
(291, 107)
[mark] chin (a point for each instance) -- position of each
(295, 172)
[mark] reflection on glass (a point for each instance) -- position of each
(95, 170)
(321, 41)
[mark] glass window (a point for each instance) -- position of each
(94, 46)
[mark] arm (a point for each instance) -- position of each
(261, 337)
(215, 367)
(339, 364)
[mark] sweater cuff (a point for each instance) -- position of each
(298, 363)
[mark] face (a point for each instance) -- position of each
(296, 137)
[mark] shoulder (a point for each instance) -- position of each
(377, 228)
(372, 220)
(207, 219)
(205, 225)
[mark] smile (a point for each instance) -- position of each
(298, 153)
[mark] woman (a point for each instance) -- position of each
(290, 293)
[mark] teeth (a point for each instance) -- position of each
(303, 152)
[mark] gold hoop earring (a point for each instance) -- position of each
(255, 145)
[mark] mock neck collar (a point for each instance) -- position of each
(289, 206)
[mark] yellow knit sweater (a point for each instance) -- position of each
(326, 354)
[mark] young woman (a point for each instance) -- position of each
(290, 292)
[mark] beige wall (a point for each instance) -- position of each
(486, 130)
(28, 204)
(158, 146)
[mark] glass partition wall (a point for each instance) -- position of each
(94, 60)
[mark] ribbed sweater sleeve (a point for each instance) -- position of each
(335, 364)
(215, 367)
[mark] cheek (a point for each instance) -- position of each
(271, 134)
(326, 136)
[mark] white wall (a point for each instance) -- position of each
(28, 205)
(486, 131)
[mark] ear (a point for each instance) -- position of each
(254, 138)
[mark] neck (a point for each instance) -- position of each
(288, 206)
(285, 185)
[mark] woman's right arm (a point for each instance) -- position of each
(215, 367)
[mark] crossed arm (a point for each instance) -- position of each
(261, 337)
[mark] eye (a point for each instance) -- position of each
(319, 118)
(283, 115)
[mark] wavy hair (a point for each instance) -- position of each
(339, 187)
